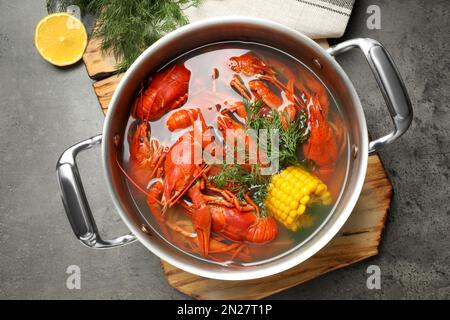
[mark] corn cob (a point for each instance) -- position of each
(291, 191)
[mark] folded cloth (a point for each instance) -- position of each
(316, 18)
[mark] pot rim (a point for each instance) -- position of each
(318, 242)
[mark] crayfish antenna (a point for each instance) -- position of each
(165, 205)
(168, 202)
(136, 184)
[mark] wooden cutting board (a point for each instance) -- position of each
(359, 238)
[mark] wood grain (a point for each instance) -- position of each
(98, 64)
(358, 239)
(104, 90)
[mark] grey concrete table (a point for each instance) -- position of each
(44, 109)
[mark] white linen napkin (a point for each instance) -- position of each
(316, 18)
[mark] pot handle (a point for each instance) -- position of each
(75, 201)
(389, 82)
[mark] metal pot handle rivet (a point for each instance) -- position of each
(389, 82)
(75, 201)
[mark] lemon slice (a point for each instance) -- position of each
(60, 38)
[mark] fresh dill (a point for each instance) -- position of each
(238, 179)
(296, 134)
(128, 27)
(244, 178)
(290, 138)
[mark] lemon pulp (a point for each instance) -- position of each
(60, 39)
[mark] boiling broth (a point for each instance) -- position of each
(210, 91)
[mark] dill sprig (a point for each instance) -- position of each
(241, 179)
(128, 27)
(238, 178)
(290, 138)
(297, 133)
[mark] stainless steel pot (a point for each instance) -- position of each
(244, 29)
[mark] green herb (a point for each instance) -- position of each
(259, 196)
(242, 179)
(238, 178)
(128, 27)
(296, 134)
(232, 175)
(297, 131)
(254, 119)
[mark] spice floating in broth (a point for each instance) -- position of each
(196, 109)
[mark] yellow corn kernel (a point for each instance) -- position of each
(305, 200)
(314, 185)
(278, 193)
(293, 204)
(326, 198)
(301, 209)
(291, 191)
(298, 195)
(320, 188)
(305, 190)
